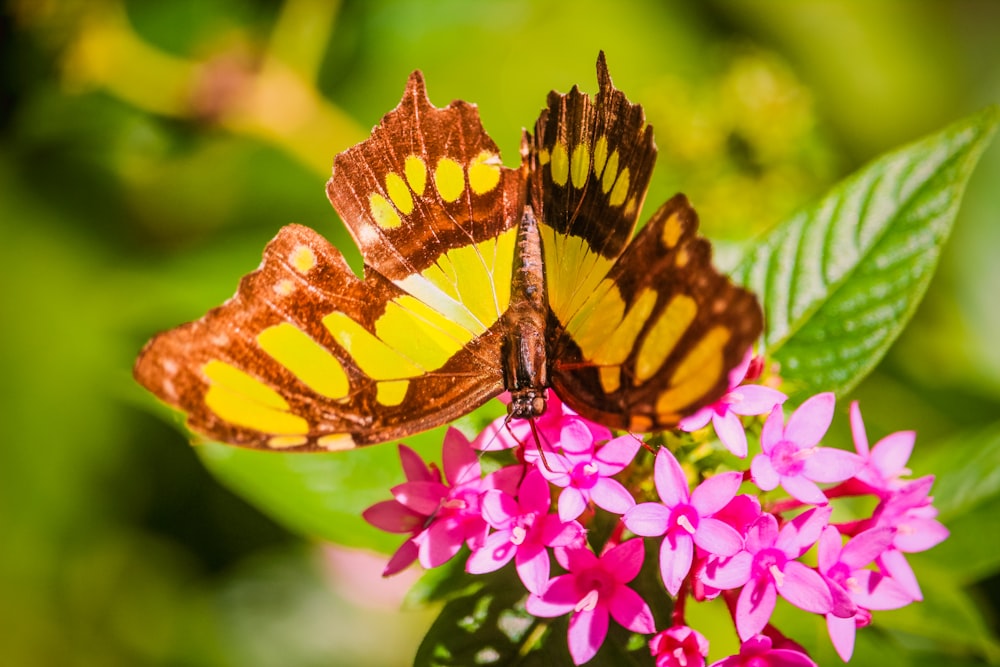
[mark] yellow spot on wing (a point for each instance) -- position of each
(580, 165)
(245, 401)
(696, 374)
(286, 441)
(573, 272)
(672, 230)
(399, 193)
(449, 179)
(384, 213)
(391, 393)
(559, 165)
(610, 173)
(284, 287)
(302, 258)
(219, 373)
(663, 336)
(374, 357)
(416, 173)
(420, 333)
(336, 442)
(309, 361)
(484, 172)
(601, 155)
(619, 336)
(611, 378)
(620, 190)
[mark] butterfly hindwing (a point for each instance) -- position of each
(656, 341)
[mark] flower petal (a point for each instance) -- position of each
(533, 566)
(534, 495)
(439, 543)
(676, 553)
(798, 535)
(920, 535)
(498, 508)
(552, 532)
(718, 538)
(631, 611)
(610, 495)
(414, 467)
(571, 504)
(459, 461)
(808, 424)
(754, 607)
(716, 492)
(865, 547)
(421, 497)
(728, 573)
(402, 559)
(773, 430)
(494, 554)
(842, 631)
(860, 437)
(763, 473)
(873, 590)
(671, 483)
(613, 457)
(891, 454)
(829, 465)
(393, 517)
(803, 490)
(647, 519)
(805, 588)
(756, 399)
(587, 630)
(894, 563)
(697, 421)
(729, 428)
(624, 561)
(560, 597)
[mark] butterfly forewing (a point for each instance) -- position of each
(591, 163)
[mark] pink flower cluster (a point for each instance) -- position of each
(746, 547)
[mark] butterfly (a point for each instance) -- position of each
(478, 278)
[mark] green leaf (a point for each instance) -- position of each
(487, 624)
(323, 495)
(841, 278)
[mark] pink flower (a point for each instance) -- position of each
(558, 427)
(767, 567)
(585, 475)
(524, 529)
(791, 458)
(593, 590)
(441, 517)
(757, 652)
(749, 399)
(842, 565)
(885, 463)
(909, 512)
(679, 646)
(685, 518)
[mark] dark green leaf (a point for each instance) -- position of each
(840, 280)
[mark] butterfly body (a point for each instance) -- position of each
(478, 278)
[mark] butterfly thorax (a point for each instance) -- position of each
(525, 365)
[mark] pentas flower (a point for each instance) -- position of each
(685, 518)
(768, 567)
(559, 427)
(739, 399)
(450, 515)
(679, 646)
(585, 475)
(593, 590)
(791, 458)
(885, 463)
(910, 513)
(758, 652)
(842, 565)
(523, 530)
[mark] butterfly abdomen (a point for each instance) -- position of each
(524, 360)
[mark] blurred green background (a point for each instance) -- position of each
(150, 148)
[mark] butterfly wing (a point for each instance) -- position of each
(657, 340)
(640, 338)
(308, 356)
